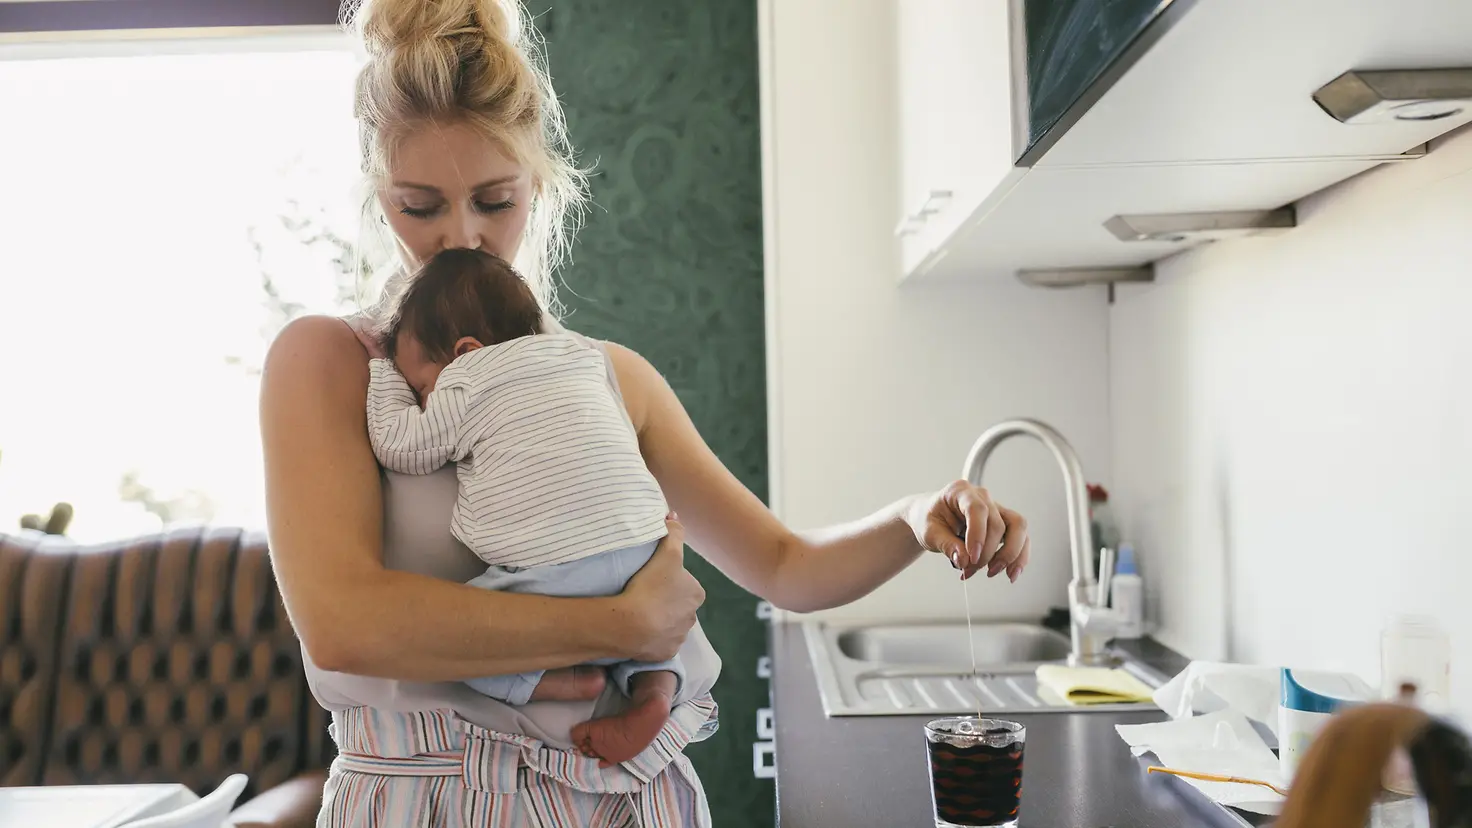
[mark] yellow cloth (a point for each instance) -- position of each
(1093, 685)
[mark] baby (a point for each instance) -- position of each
(554, 495)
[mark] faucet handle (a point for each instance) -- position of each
(1107, 556)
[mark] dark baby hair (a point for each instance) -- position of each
(462, 292)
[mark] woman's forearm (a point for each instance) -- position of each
(415, 628)
(831, 567)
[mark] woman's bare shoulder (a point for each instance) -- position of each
(640, 383)
(317, 356)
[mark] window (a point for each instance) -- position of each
(164, 214)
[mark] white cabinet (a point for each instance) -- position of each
(1212, 113)
(955, 107)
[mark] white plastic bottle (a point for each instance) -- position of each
(1127, 595)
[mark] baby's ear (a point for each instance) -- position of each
(465, 345)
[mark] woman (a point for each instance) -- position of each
(464, 147)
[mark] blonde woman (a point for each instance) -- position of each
(464, 147)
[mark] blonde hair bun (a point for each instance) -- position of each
(432, 58)
(385, 25)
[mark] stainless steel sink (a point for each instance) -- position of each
(867, 669)
(948, 644)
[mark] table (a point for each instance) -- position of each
(88, 806)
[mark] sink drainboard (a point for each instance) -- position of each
(955, 694)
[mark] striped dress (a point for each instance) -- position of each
(430, 769)
(548, 462)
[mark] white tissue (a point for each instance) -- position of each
(1222, 743)
(1253, 691)
(1208, 686)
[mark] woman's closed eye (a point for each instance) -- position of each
(487, 207)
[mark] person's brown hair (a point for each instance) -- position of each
(1345, 768)
(461, 293)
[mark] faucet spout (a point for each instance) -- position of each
(1085, 596)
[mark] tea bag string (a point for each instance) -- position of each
(971, 645)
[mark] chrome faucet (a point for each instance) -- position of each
(1092, 622)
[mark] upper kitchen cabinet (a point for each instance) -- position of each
(1060, 136)
(955, 107)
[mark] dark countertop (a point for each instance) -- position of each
(871, 770)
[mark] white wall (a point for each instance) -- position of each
(878, 390)
(1292, 425)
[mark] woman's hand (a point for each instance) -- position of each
(963, 523)
(660, 600)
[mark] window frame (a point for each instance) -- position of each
(40, 29)
(37, 17)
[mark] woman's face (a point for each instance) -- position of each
(449, 187)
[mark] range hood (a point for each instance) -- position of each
(1139, 128)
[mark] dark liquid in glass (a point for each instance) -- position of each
(980, 785)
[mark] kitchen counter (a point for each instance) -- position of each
(871, 770)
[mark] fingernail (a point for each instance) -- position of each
(673, 516)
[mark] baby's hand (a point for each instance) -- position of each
(362, 328)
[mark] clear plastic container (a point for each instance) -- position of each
(1416, 650)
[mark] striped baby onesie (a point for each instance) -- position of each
(548, 462)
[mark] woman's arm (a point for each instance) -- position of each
(324, 509)
(736, 532)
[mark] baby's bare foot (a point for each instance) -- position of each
(570, 684)
(615, 739)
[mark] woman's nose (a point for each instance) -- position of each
(463, 232)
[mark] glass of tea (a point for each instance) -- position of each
(975, 771)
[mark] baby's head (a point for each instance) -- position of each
(459, 301)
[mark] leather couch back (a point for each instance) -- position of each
(167, 658)
(31, 587)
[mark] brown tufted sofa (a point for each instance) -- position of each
(167, 658)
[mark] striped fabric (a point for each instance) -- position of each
(432, 770)
(549, 464)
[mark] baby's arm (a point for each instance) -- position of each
(406, 439)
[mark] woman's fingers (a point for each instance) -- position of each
(972, 504)
(1015, 568)
(1014, 542)
(963, 523)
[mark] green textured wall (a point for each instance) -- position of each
(661, 95)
